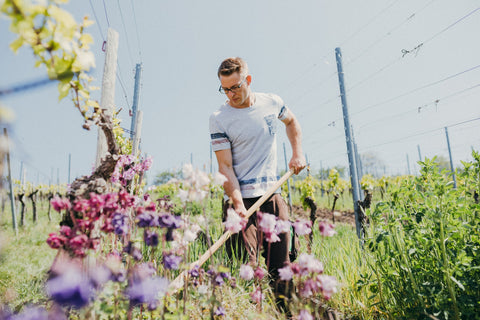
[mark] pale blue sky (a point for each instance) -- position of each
(289, 46)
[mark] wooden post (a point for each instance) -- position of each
(107, 101)
(138, 133)
(10, 184)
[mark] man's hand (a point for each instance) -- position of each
(297, 163)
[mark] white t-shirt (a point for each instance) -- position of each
(250, 133)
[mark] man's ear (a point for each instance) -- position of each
(249, 79)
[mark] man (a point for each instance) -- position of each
(243, 135)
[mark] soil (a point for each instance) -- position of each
(323, 214)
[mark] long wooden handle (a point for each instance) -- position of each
(178, 282)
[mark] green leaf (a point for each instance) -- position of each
(458, 283)
(63, 89)
(15, 45)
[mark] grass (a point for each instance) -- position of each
(25, 259)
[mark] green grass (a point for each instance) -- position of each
(25, 258)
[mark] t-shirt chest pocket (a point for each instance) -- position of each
(271, 123)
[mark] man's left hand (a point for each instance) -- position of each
(297, 163)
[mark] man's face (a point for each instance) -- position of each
(239, 96)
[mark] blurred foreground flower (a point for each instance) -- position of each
(70, 286)
(326, 229)
(147, 290)
(234, 222)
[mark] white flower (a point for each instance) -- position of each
(202, 289)
(285, 273)
(308, 263)
(85, 59)
(198, 195)
(282, 226)
(219, 179)
(246, 272)
(234, 222)
(189, 235)
(187, 171)
(329, 285)
(183, 195)
(201, 179)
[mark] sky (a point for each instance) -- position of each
(411, 68)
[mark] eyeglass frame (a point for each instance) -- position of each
(231, 89)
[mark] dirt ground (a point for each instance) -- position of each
(324, 214)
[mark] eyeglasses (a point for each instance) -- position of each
(231, 89)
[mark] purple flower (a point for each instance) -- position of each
(120, 223)
(170, 221)
(31, 313)
(219, 280)
(171, 261)
(150, 238)
(133, 251)
(71, 288)
(194, 272)
(147, 290)
(220, 311)
(144, 219)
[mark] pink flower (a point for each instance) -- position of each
(78, 242)
(147, 163)
(267, 222)
(259, 273)
(234, 222)
(326, 229)
(308, 264)
(246, 272)
(126, 200)
(272, 237)
(328, 285)
(60, 204)
(55, 241)
(150, 206)
(282, 226)
(80, 205)
(257, 295)
(285, 273)
(66, 231)
(309, 287)
(304, 315)
(129, 174)
(303, 227)
(96, 201)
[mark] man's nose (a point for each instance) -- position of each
(230, 93)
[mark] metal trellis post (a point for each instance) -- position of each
(349, 141)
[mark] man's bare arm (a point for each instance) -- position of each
(294, 134)
(231, 186)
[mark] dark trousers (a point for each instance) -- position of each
(245, 246)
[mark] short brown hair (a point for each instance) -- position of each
(232, 65)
